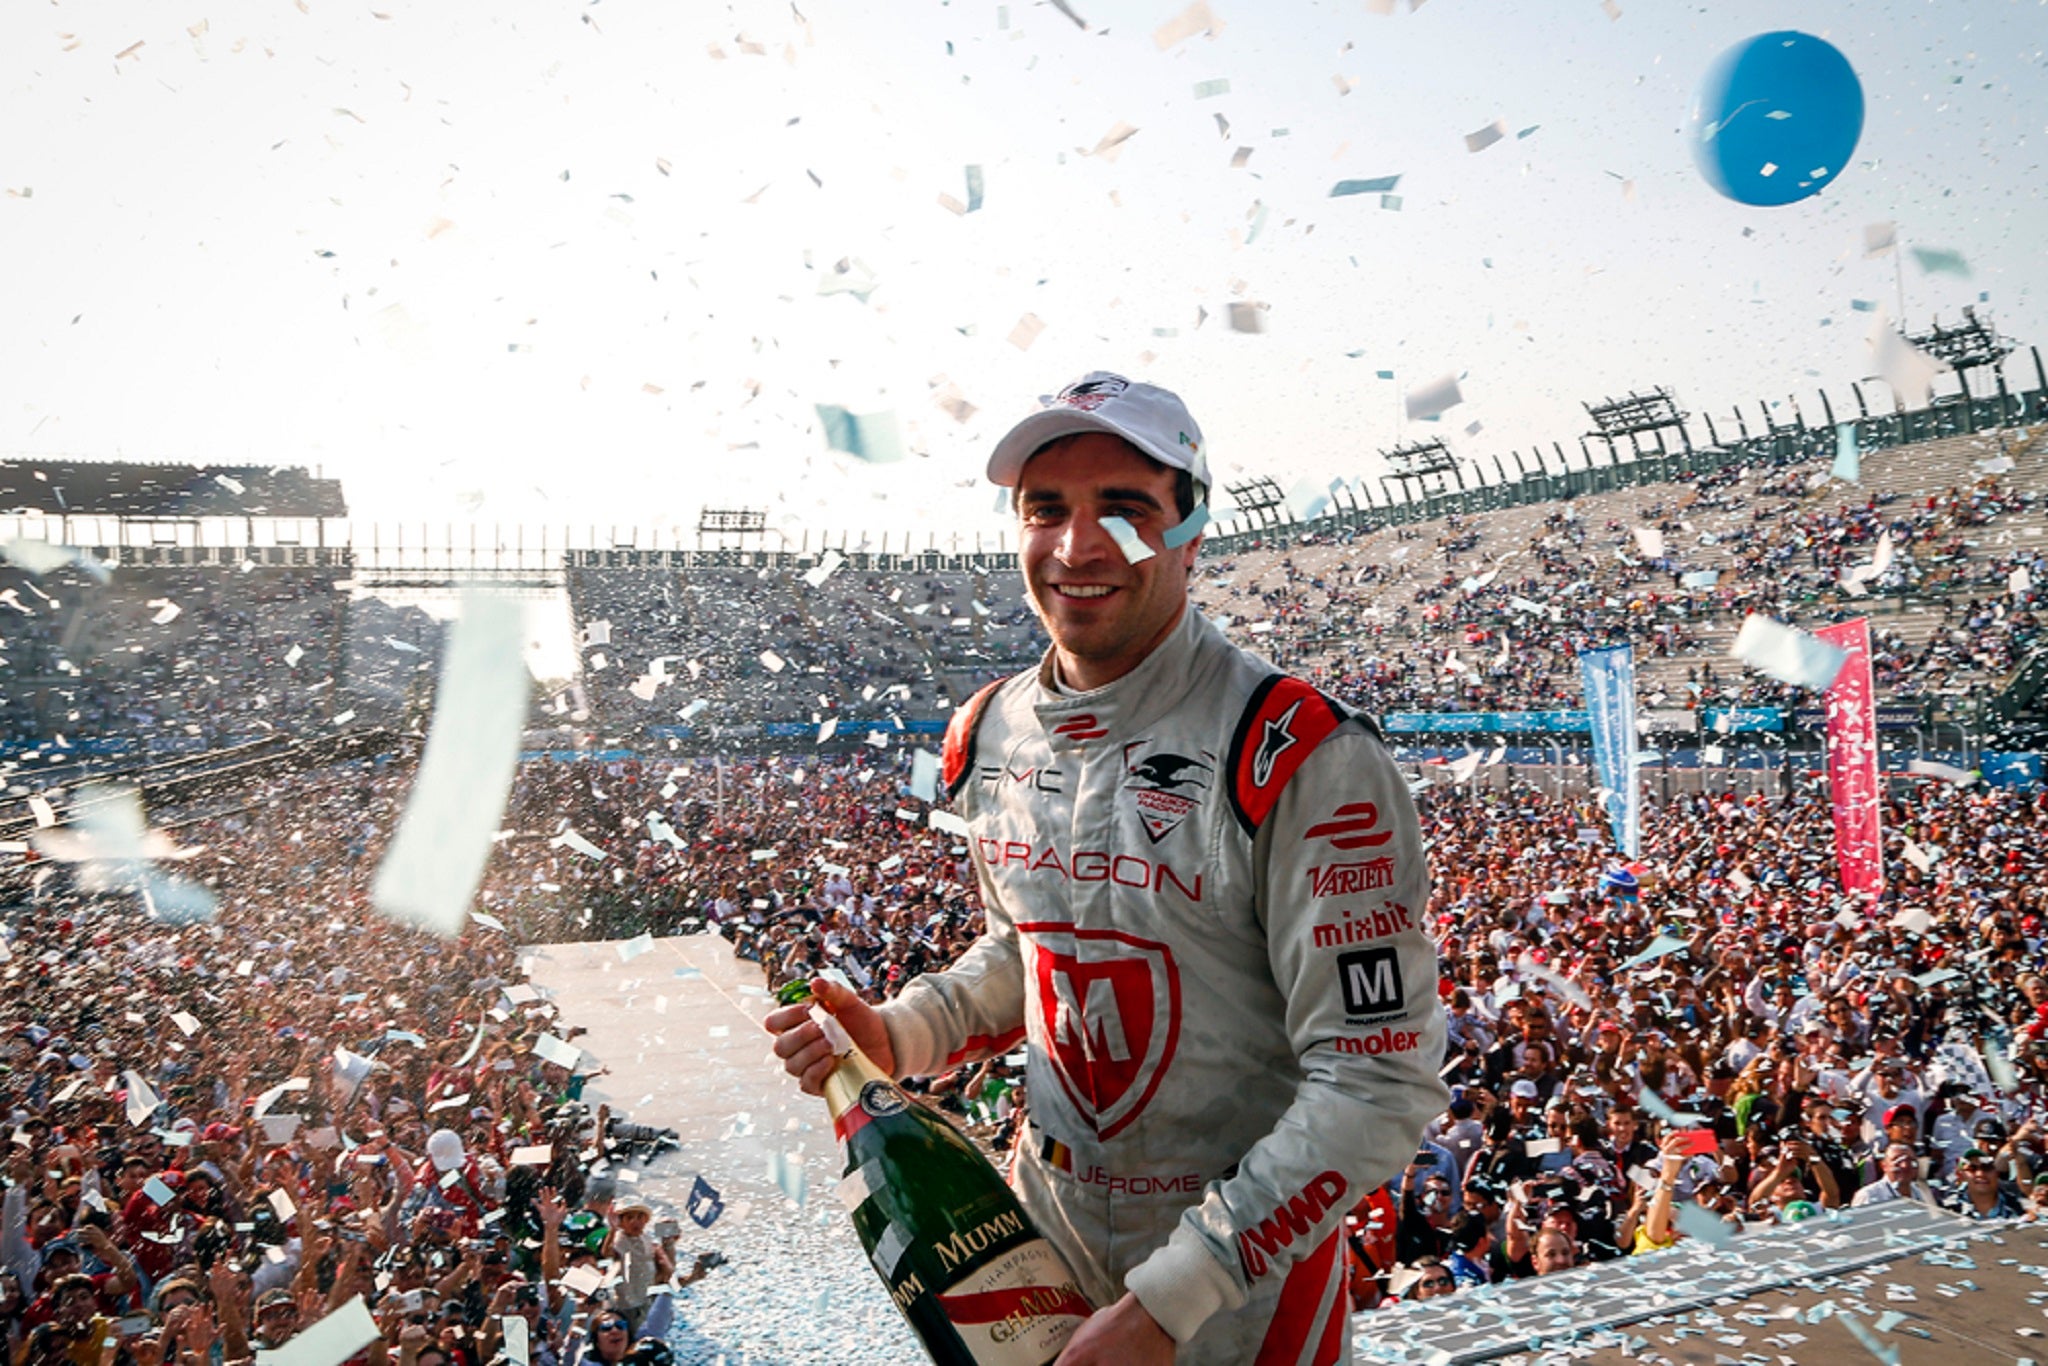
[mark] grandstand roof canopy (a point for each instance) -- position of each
(133, 489)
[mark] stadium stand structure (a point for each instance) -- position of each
(130, 489)
(1449, 602)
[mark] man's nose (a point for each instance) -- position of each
(1084, 540)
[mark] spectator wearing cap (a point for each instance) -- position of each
(1881, 1088)
(1901, 1126)
(274, 1319)
(2012, 1149)
(1953, 1131)
(643, 1262)
(1458, 1131)
(72, 1310)
(1609, 1048)
(1508, 1131)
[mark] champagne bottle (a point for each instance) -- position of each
(960, 1257)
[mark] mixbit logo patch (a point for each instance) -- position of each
(1164, 788)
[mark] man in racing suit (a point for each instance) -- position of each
(1204, 885)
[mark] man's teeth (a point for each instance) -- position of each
(1093, 590)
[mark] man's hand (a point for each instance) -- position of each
(801, 1044)
(548, 1205)
(1122, 1335)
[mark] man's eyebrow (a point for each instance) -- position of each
(1112, 495)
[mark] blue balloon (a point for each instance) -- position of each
(1777, 118)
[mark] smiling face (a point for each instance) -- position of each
(1104, 614)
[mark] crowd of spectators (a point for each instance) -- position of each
(222, 1132)
(1706, 1042)
(168, 660)
(1771, 1057)
(1475, 618)
(738, 647)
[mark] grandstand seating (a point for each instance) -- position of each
(859, 645)
(111, 667)
(1481, 611)
(1393, 618)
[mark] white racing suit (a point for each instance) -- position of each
(1204, 887)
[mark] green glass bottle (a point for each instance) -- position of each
(962, 1260)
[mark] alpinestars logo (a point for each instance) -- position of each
(1275, 738)
(1163, 787)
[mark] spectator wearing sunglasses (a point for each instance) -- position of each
(1435, 1279)
(1979, 1192)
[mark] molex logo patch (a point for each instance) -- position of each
(1108, 1017)
(1371, 982)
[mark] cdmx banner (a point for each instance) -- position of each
(1610, 678)
(1851, 704)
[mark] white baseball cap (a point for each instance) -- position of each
(1149, 417)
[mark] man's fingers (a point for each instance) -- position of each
(785, 1019)
(791, 1042)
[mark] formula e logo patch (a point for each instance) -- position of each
(1371, 982)
(1108, 1016)
(1082, 727)
(1164, 788)
(1351, 826)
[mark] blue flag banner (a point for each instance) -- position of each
(1610, 677)
(1848, 459)
(705, 1205)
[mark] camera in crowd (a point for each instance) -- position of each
(571, 1123)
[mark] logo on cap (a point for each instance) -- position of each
(1091, 393)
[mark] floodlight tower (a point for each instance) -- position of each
(1415, 462)
(1635, 417)
(732, 528)
(1260, 502)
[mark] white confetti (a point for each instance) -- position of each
(431, 871)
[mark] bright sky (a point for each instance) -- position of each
(550, 261)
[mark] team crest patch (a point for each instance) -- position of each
(1165, 788)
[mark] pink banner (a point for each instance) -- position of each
(1852, 764)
